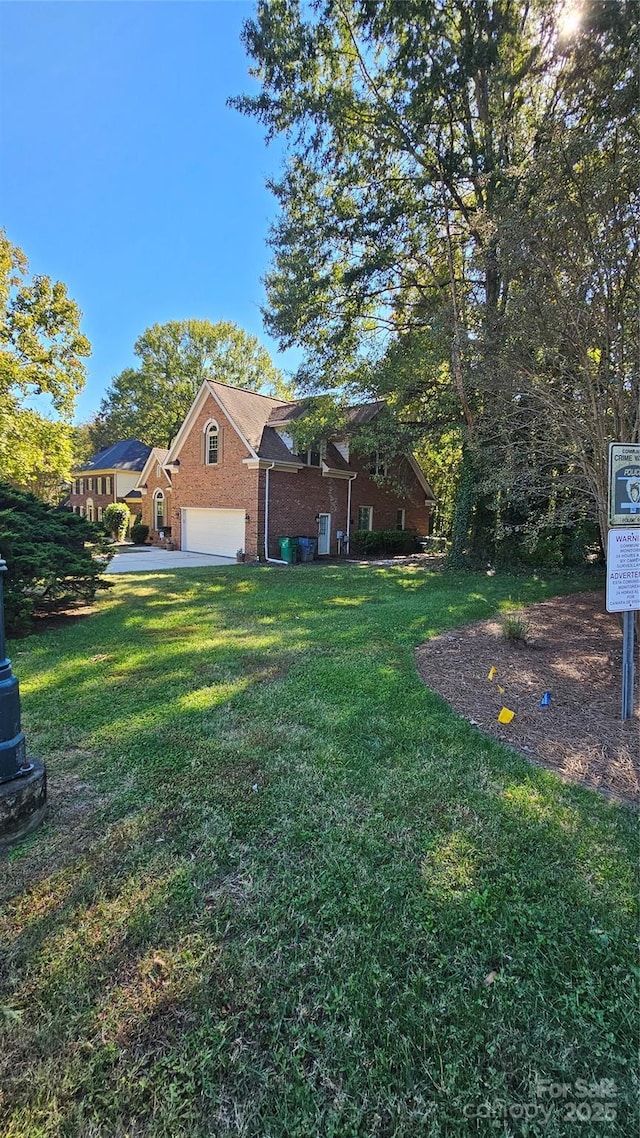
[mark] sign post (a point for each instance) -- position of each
(623, 554)
(623, 595)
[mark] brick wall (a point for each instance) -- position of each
(157, 481)
(386, 501)
(227, 485)
(102, 499)
(296, 499)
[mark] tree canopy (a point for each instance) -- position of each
(458, 230)
(42, 353)
(151, 401)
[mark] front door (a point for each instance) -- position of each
(324, 534)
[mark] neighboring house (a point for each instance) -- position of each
(232, 481)
(150, 496)
(107, 477)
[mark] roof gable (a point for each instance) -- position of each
(129, 454)
(159, 456)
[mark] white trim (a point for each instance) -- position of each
(192, 413)
(273, 560)
(271, 464)
(326, 553)
(331, 472)
(370, 526)
(159, 493)
(153, 456)
(208, 430)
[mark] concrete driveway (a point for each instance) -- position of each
(149, 559)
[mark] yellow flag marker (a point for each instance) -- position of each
(501, 689)
(505, 715)
(493, 672)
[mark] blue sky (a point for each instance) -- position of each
(125, 175)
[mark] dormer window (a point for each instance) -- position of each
(377, 465)
(211, 443)
(315, 455)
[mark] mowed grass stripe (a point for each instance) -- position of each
(189, 955)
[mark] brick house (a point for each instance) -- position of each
(152, 494)
(106, 478)
(232, 480)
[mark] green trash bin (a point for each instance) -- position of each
(289, 550)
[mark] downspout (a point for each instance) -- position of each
(272, 560)
(348, 527)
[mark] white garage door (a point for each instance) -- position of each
(213, 531)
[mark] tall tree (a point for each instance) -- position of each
(413, 128)
(41, 354)
(38, 454)
(150, 402)
(572, 245)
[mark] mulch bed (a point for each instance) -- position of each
(574, 652)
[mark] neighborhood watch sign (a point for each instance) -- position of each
(624, 484)
(623, 570)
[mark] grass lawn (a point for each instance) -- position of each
(403, 923)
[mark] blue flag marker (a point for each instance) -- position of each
(546, 700)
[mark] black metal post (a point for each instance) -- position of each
(13, 757)
(628, 637)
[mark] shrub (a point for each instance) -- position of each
(516, 628)
(139, 533)
(389, 541)
(49, 566)
(116, 519)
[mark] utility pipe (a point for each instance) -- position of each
(272, 560)
(348, 529)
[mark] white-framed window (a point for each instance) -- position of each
(90, 486)
(89, 509)
(158, 510)
(377, 465)
(211, 443)
(108, 485)
(315, 455)
(81, 490)
(400, 515)
(365, 517)
(100, 512)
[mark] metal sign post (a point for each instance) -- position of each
(628, 652)
(623, 554)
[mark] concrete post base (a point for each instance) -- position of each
(23, 803)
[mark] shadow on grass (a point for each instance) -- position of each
(402, 919)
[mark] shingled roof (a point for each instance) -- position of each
(258, 418)
(355, 416)
(130, 454)
(249, 411)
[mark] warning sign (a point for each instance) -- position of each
(624, 484)
(623, 570)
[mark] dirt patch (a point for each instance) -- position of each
(573, 652)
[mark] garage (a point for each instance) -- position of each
(213, 531)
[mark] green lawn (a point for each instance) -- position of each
(186, 955)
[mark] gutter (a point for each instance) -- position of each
(271, 560)
(348, 528)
